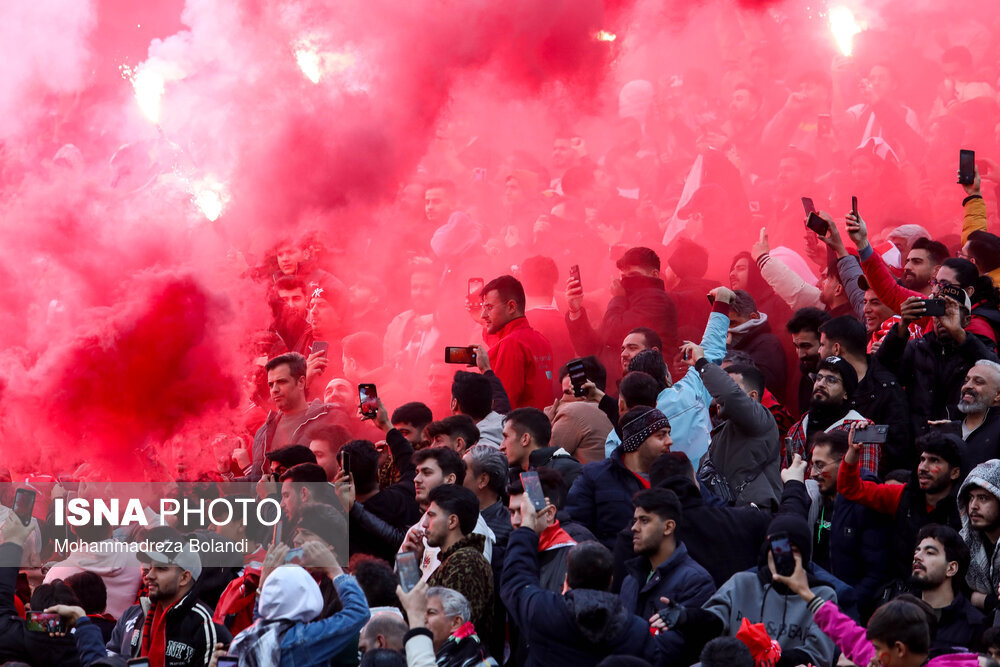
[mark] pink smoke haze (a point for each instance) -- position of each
(152, 155)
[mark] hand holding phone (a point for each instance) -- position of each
(817, 224)
(368, 400)
(577, 377)
(574, 273)
(533, 487)
(408, 571)
(966, 167)
(781, 552)
(934, 307)
(24, 504)
(460, 355)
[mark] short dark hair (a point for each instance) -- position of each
(661, 502)
(376, 579)
(447, 459)
(295, 361)
(639, 256)
(325, 521)
(671, 464)
(652, 338)
(533, 421)
(364, 464)
(291, 455)
(955, 549)
(589, 565)
(836, 440)
(848, 332)
(936, 250)
(51, 594)
(726, 652)
(985, 249)
(490, 460)
(944, 445)
(652, 363)
(458, 500)
(333, 434)
(752, 377)
(474, 394)
(743, 304)
(639, 388)
(90, 590)
(364, 347)
(289, 284)
(552, 482)
(305, 473)
(900, 621)
(461, 426)
(807, 319)
(508, 288)
(415, 414)
(594, 369)
(539, 275)
(442, 184)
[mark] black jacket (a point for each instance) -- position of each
(17, 644)
(764, 347)
(562, 462)
(601, 497)
(982, 444)
(881, 398)
(931, 370)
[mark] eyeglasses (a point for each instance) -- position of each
(827, 379)
(820, 466)
(935, 283)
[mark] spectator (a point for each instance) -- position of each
(929, 496)
(456, 234)
(804, 327)
(662, 567)
(638, 340)
(526, 436)
(553, 540)
(638, 300)
(472, 395)
(878, 396)
(601, 497)
(410, 419)
(441, 630)
(486, 476)
(325, 442)
(830, 409)
(581, 626)
(750, 332)
(745, 276)
(539, 276)
(385, 630)
(520, 356)
(979, 507)
(980, 427)
(378, 581)
(457, 432)
(580, 425)
(303, 485)
(280, 460)
(448, 525)
(742, 462)
(89, 589)
(726, 652)
(413, 338)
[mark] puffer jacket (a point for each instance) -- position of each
(984, 567)
(601, 497)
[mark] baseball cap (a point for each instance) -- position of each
(183, 557)
(956, 293)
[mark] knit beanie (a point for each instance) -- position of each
(638, 428)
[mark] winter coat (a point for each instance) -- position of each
(755, 337)
(982, 444)
(601, 497)
(745, 448)
(851, 639)
(522, 359)
(881, 398)
(932, 371)
(464, 569)
(644, 304)
(580, 428)
(577, 629)
(798, 440)
(984, 567)
(559, 460)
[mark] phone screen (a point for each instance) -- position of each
(577, 376)
(229, 661)
(320, 346)
(24, 504)
(475, 287)
(873, 433)
(39, 622)
(574, 273)
(966, 167)
(460, 355)
(368, 399)
(854, 205)
(818, 224)
(808, 206)
(533, 487)
(784, 559)
(409, 573)
(345, 462)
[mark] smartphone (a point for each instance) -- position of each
(934, 307)
(574, 273)
(808, 206)
(276, 535)
(24, 504)
(966, 167)
(320, 346)
(711, 298)
(295, 556)
(533, 487)
(38, 622)
(345, 462)
(409, 572)
(368, 399)
(818, 224)
(781, 550)
(873, 433)
(475, 287)
(854, 205)
(824, 124)
(577, 376)
(460, 355)
(229, 661)
(144, 662)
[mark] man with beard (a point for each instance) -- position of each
(981, 424)
(830, 409)
(928, 497)
(940, 562)
(804, 327)
(979, 504)
(412, 338)
(878, 396)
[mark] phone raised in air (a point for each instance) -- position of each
(475, 288)
(533, 487)
(408, 570)
(368, 399)
(37, 621)
(872, 433)
(577, 376)
(854, 205)
(966, 167)
(574, 273)
(24, 504)
(345, 462)
(144, 662)
(817, 224)
(460, 355)
(320, 346)
(808, 206)
(229, 661)
(934, 307)
(781, 551)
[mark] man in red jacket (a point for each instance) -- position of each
(520, 356)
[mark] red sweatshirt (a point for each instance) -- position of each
(882, 498)
(522, 359)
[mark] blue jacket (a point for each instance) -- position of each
(601, 497)
(680, 579)
(577, 629)
(686, 402)
(317, 642)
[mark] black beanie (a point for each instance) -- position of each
(797, 529)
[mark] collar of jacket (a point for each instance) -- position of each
(639, 566)
(512, 326)
(635, 283)
(471, 541)
(543, 455)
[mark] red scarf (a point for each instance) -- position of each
(554, 536)
(154, 635)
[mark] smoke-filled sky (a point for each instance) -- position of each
(151, 153)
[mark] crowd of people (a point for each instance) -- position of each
(757, 442)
